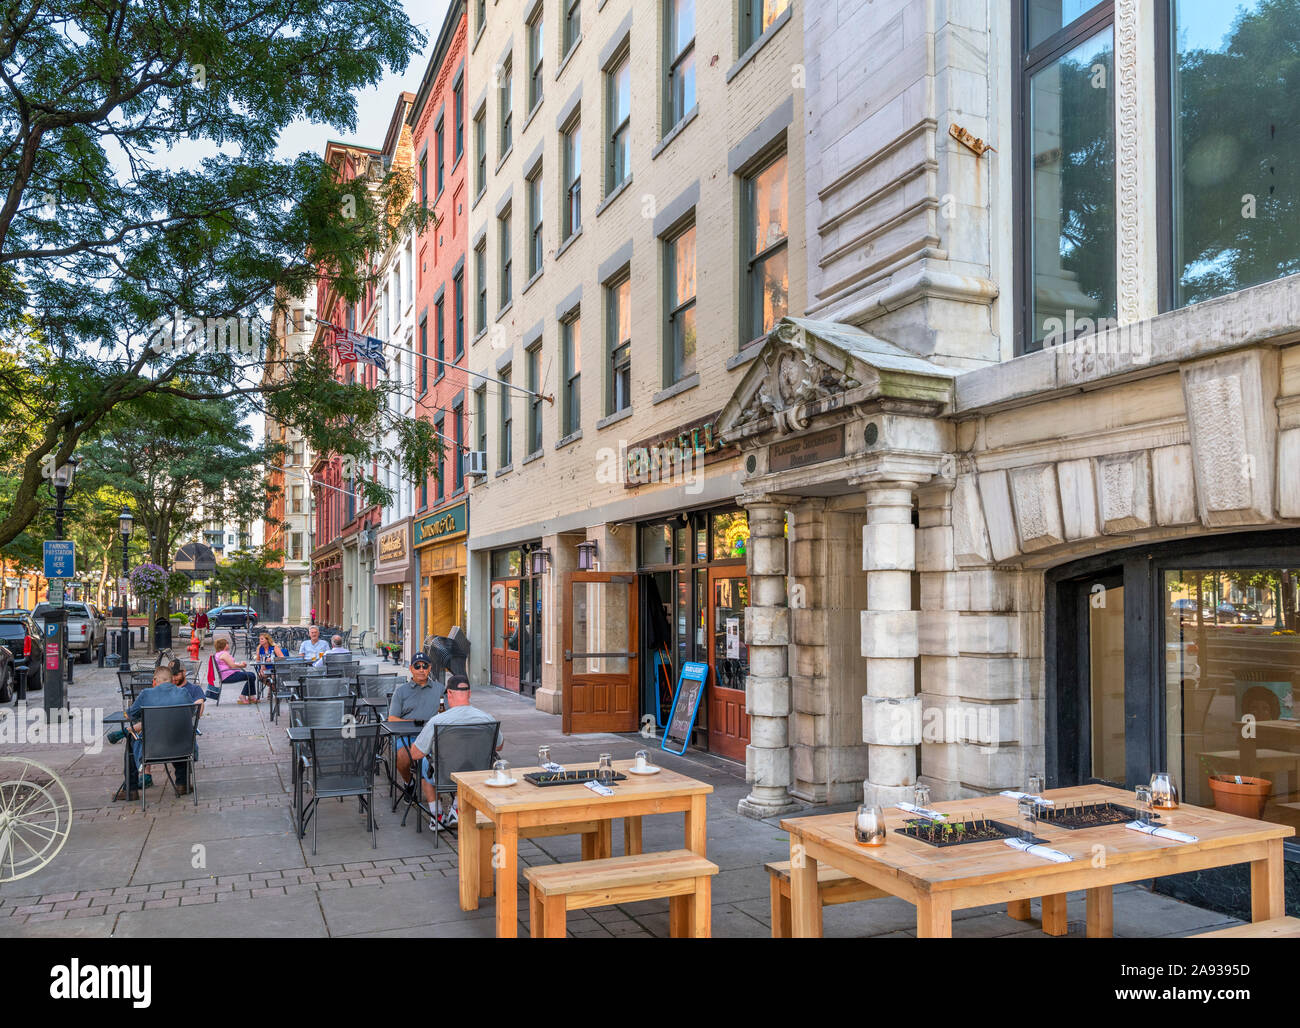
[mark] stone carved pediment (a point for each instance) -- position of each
(806, 365)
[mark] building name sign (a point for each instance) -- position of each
(790, 454)
(392, 545)
(665, 459)
(443, 525)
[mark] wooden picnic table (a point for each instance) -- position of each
(524, 805)
(938, 881)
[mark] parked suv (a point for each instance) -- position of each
(20, 634)
(232, 616)
(86, 626)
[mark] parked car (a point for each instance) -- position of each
(8, 679)
(1184, 608)
(86, 626)
(232, 616)
(1227, 613)
(20, 634)
(1248, 614)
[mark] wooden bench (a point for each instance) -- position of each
(1273, 928)
(833, 886)
(596, 843)
(681, 876)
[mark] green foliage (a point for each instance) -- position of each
(249, 570)
(101, 242)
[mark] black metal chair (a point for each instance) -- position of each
(167, 737)
(342, 764)
(317, 713)
(455, 748)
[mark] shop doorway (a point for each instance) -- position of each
(728, 722)
(601, 663)
(505, 633)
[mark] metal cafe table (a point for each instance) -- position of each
(300, 735)
(938, 881)
(515, 808)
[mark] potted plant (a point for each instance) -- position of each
(1243, 795)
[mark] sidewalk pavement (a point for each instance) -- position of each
(233, 867)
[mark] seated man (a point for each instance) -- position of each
(416, 700)
(338, 646)
(196, 691)
(459, 712)
(314, 647)
(161, 694)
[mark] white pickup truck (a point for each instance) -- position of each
(86, 626)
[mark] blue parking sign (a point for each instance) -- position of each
(60, 558)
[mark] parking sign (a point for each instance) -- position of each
(60, 558)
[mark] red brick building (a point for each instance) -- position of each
(438, 118)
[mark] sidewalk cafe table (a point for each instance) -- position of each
(523, 805)
(939, 880)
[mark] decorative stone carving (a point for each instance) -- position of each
(1038, 509)
(970, 535)
(1232, 416)
(1124, 492)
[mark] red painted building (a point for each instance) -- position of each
(439, 123)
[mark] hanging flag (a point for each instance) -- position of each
(375, 353)
(345, 346)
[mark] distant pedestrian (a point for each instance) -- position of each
(313, 615)
(201, 623)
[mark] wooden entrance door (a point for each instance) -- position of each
(600, 652)
(728, 722)
(505, 633)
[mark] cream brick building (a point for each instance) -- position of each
(696, 170)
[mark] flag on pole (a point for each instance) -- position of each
(345, 346)
(375, 353)
(353, 346)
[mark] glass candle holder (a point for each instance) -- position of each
(605, 770)
(1037, 783)
(1029, 813)
(921, 795)
(1164, 791)
(642, 759)
(869, 826)
(543, 755)
(501, 771)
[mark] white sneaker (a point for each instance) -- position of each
(433, 825)
(451, 816)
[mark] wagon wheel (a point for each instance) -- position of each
(35, 817)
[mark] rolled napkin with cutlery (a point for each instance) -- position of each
(600, 790)
(925, 812)
(553, 767)
(1028, 796)
(1039, 850)
(1163, 833)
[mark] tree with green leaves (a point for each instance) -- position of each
(122, 278)
(250, 570)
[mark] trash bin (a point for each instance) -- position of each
(162, 634)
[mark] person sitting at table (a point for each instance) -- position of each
(232, 670)
(313, 647)
(163, 693)
(267, 651)
(416, 701)
(195, 690)
(338, 646)
(459, 712)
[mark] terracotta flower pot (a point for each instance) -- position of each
(1244, 800)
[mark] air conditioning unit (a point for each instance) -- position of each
(476, 464)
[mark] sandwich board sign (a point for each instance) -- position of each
(686, 705)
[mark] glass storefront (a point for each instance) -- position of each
(694, 567)
(517, 620)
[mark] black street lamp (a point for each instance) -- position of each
(125, 522)
(61, 480)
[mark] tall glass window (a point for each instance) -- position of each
(679, 37)
(480, 278)
(480, 151)
(533, 381)
(618, 313)
(535, 50)
(571, 409)
(507, 263)
(458, 291)
(572, 24)
(571, 144)
(756, 17)
(507, 104)
(438, 157)
(507, 417)
(619, 118)
(535, 223)
(679, 269)
(767, 271)
(1070, 180)
(1235, 145)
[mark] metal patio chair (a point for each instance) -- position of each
(167, 736)
(455, 748)
(342, 764)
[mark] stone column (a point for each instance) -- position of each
(767, 687)
(891, 709)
